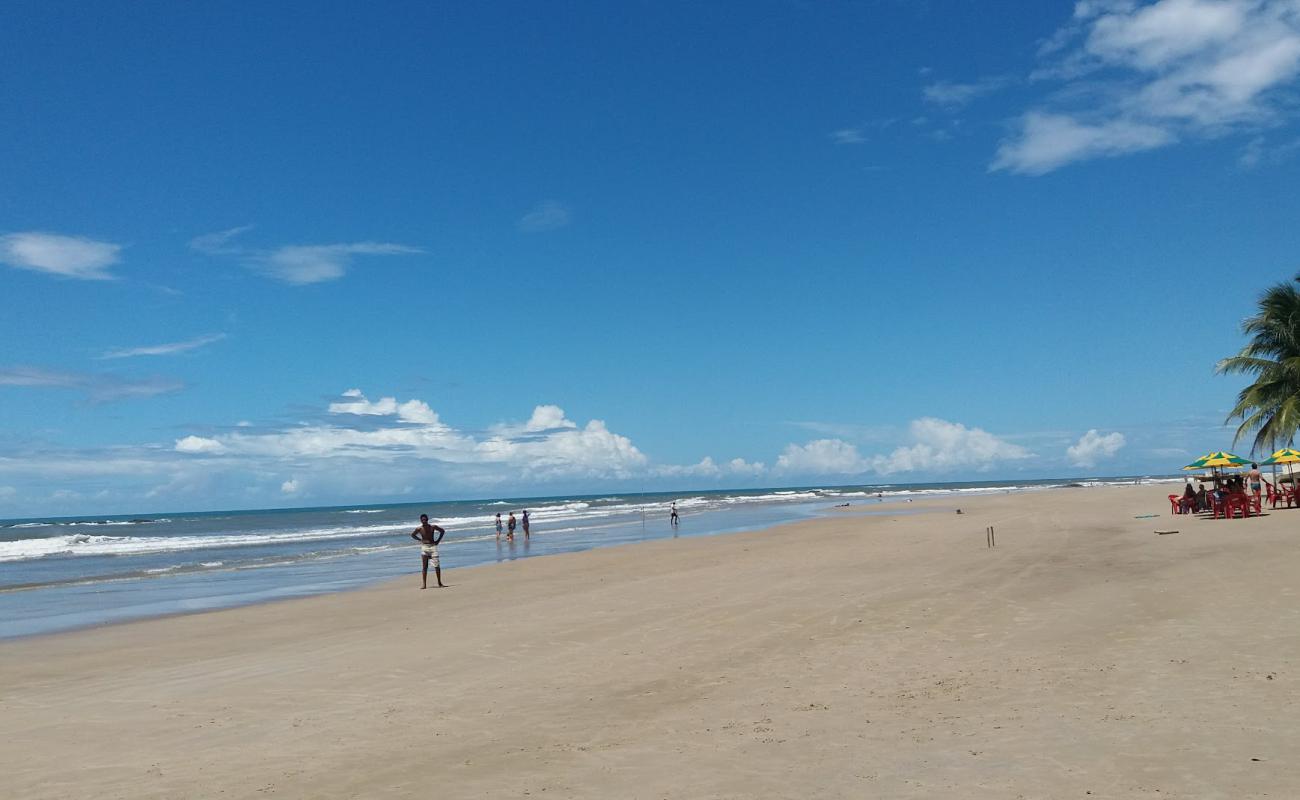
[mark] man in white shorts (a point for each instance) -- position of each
(428, 536)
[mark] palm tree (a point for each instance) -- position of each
(1270, 407)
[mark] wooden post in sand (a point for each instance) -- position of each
(990, 539)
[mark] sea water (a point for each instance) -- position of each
(57, 574)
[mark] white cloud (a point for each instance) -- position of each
(740, 466)
(290, 486)
(199, 444)
(219, 243)
(1049, 141)
(548, 445)
(705, 468)
(1142, 76)
(303, 264)
(164, 349)
(821, 457)
(953, 96)
(1093, 447)
(297, 264)
(413, 411)
(69, 256)
(939, 445)
(848, 136)
(98, 387)
(545, 216)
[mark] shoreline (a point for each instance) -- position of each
(82, 582)
(891, 655)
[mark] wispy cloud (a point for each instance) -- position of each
(545, 216)
(297, 264)
(97, 387)
(68, 256)
(849, 136)
(954, 96)
(221, 242)
(1135, 77)
(164, 349)
(303, 264)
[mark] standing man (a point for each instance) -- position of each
(672, 520)
(498, 524)
(510, 527)
(525, 523)
(1256, 480)
(428, 536)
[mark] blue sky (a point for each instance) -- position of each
(256, 257)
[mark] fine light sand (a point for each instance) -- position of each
(882, 656)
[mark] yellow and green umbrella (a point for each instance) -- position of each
(1284, 456)
(1216, 460)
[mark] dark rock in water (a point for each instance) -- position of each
(1074, 486)
(139, 521)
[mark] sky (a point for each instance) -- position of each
(253, 255)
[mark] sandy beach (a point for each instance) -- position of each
(891, 655)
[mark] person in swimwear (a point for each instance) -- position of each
(525, 521)
(510, 527)
(498, 524)
(672, 519)
(1256, 480)
(428, 536)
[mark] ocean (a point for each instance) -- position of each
(64, 573)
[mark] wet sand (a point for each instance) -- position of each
(855, 656)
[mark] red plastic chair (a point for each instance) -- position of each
(1236, 503)
(1173, 505)
(1219, 507)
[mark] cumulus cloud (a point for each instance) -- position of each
(199, 444)
(164, 349)
(939, 445)
(1137, 76)
(1093, 447)
(545, 216)
(68, 256)
(705, 468)
(412, 411)
(739, 466)
(547, 445)
(97, 387)
(290, 486)
(821, 457)
(297, 264)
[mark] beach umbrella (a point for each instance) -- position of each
(1284, 456)
(1216, 460)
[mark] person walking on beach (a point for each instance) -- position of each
(498, 524)
(525, 523)
(428, 536)
(1256, 481)
(672, 519)
(510, 526)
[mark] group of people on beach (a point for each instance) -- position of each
(430, 535)
(1202, 500)
(510, 525)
